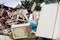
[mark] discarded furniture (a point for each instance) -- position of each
(21, 31)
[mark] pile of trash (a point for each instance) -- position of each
(15, 16)
(9, 18)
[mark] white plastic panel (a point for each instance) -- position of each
(47, 20)
(57, 26)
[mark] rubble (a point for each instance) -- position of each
(15, 16)
(10, 18)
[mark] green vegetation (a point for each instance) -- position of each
(52, 1)
(38, 1)
(27, 4)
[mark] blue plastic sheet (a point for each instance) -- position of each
(33, 25)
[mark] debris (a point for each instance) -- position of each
(2, 37)
(21, 31)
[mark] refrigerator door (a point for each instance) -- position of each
(47, 21)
